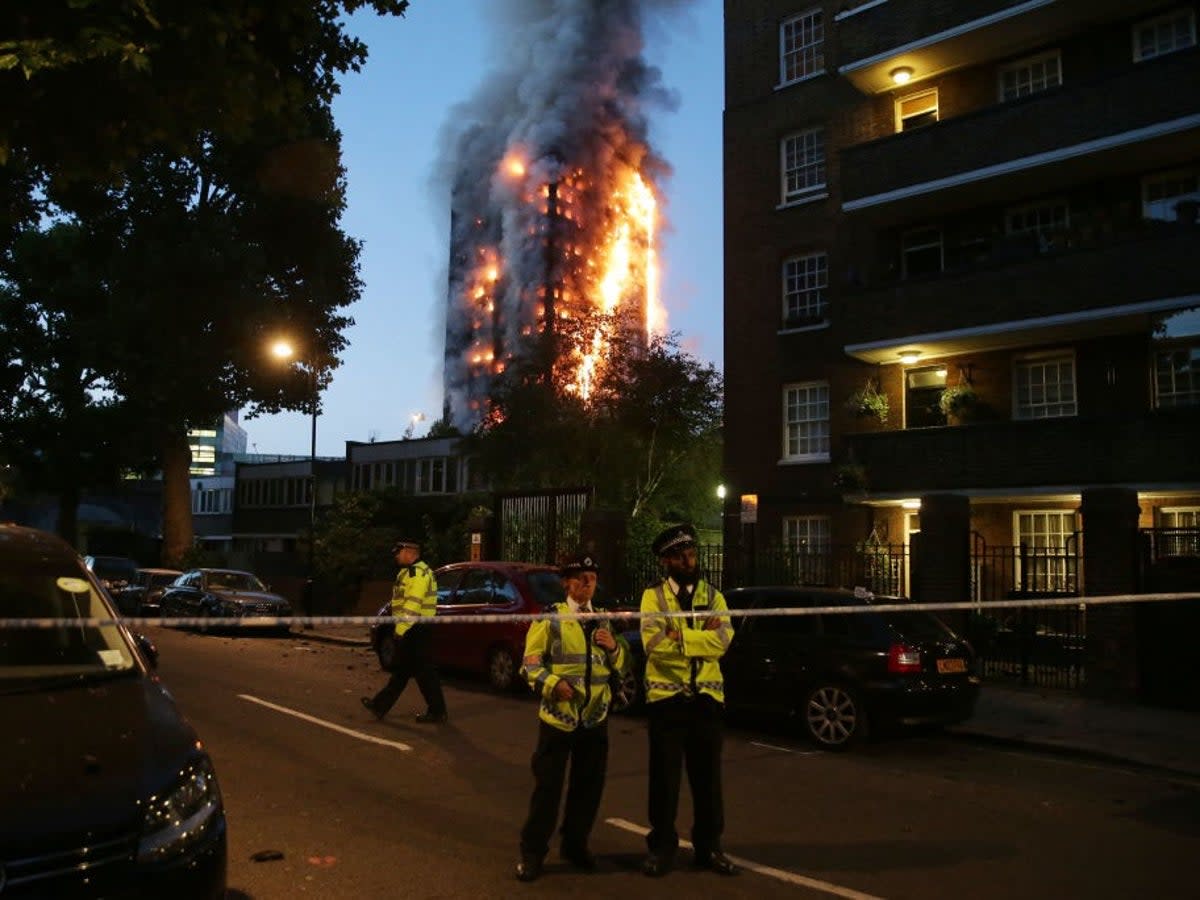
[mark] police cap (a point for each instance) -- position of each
(405, 544)
(577, 565)
(673, 539)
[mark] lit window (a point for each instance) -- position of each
(1165, 196)
(801, 46)
(806, 422)
(917, 110)
(803, 164)
(1048, 559)
(1031, 76)
(1164, 34)
(804, 281)
(1045, 387)
(809, 534)
(1184, 537)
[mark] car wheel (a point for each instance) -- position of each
(833, 716)
(501, 669)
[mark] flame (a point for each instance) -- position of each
(581, 243)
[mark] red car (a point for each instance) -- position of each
(493, 649)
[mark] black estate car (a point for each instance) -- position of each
(105, 790)
(834, 676)
(838, 674)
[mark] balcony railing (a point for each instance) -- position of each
(1011, 280)
(1139, 97)
(1158, 446)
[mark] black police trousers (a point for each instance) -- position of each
(587, 751)
(414, 659)
(686, 731)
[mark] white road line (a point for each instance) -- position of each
(769, 871)
(790, 750)
(362, 736)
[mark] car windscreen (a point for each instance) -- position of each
(547, 588)
(48, 589)
(157, 581)
(233, 581)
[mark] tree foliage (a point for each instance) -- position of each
(647, 438)
(190, 148)
(88, 86)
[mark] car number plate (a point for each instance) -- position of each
(949, 666)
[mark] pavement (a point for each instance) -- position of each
(1052, 721)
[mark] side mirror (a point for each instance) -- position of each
(148, 649)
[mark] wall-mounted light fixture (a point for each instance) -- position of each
(910, 504)
(901, 74)
(909, 357)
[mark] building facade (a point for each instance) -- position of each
(960, 276)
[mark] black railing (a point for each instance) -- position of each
(1042, 646)
(881, 568)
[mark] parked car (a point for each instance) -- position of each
(141, 596)
(105, 790)
(835, 676)
(223, 593)
(493, 649)
(113, 572)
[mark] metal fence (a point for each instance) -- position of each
(1030, 646)
(541, 527)
(881, 568)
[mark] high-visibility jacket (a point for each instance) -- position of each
(690, 665)
(414, 594)
(558, 650)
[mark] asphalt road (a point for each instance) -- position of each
(355, 808)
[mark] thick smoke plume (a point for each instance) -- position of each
(567, 106)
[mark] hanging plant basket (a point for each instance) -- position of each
(868, 402)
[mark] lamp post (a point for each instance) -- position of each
(282, 349)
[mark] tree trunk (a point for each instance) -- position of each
(176, 459)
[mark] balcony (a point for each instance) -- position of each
(1156, 448)
(938, 37)
(1146, 117)
(1015, 294)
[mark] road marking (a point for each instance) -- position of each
(790, 750)
(362, 736)
(769, 871)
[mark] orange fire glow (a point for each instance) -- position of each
(600, 232)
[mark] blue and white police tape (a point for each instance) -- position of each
(619, 615)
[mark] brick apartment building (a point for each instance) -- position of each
(983, 211)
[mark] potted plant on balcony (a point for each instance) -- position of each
(850, 477)
(958, 402)
(869, 402)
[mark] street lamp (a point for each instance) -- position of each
(283, 350)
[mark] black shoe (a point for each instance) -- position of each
(432, 718)
(529, 868)
(656, 866)
(579, 857)
(371, 707)
(716, 861)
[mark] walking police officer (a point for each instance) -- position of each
(413, 594)
(568, 662)
(685, 695)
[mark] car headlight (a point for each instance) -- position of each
(178, 818)
(231, 609)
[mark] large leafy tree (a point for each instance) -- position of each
(647, 437)
(199, 137)
(88, 86)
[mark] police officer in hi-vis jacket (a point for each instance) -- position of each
(568, 662)
(413, 594)
(685, 703)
